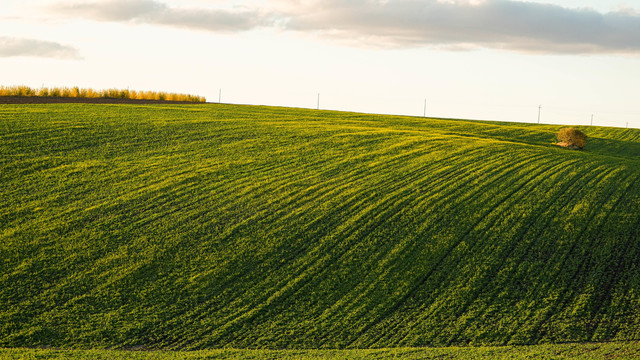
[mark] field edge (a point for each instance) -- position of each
(597, 350)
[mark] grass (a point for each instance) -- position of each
(208, 226)
(76, 92)
(561, 351)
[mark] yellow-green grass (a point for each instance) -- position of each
(77, 92)
(591, 351)
(209, 226)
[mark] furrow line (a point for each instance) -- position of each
(439, 263)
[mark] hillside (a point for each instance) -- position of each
(207, 226)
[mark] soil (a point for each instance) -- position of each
(67, 100)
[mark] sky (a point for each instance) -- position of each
(562, 61)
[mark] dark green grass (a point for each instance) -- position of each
(208, 226)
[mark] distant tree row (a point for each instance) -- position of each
(76, 92)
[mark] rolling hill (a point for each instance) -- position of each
(208, 226)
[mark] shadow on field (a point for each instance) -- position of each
(617, 148)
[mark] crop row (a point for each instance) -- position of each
(206, 226)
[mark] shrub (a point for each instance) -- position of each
(572, 138)
(77, 92)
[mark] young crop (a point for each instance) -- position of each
(591, 351)
(227, 226)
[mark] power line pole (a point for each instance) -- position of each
(318, 101)
(220, 96)
(425, 108)
(591, 119)
(539, 109)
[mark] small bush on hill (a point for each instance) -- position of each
(572, 138)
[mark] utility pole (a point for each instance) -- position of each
(591, 119)
(539, 109)
(220, 96)
(318, 101)
(425, 108)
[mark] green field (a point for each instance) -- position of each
(592, 351)
(190, 227)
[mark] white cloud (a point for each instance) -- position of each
(11, 46)
(520, 26)
(448, 24)
(154, 12)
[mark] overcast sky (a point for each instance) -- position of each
(479, 59)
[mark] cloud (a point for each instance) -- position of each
(512, 25)
(448, 24)
(154, 12)
(10, 46)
